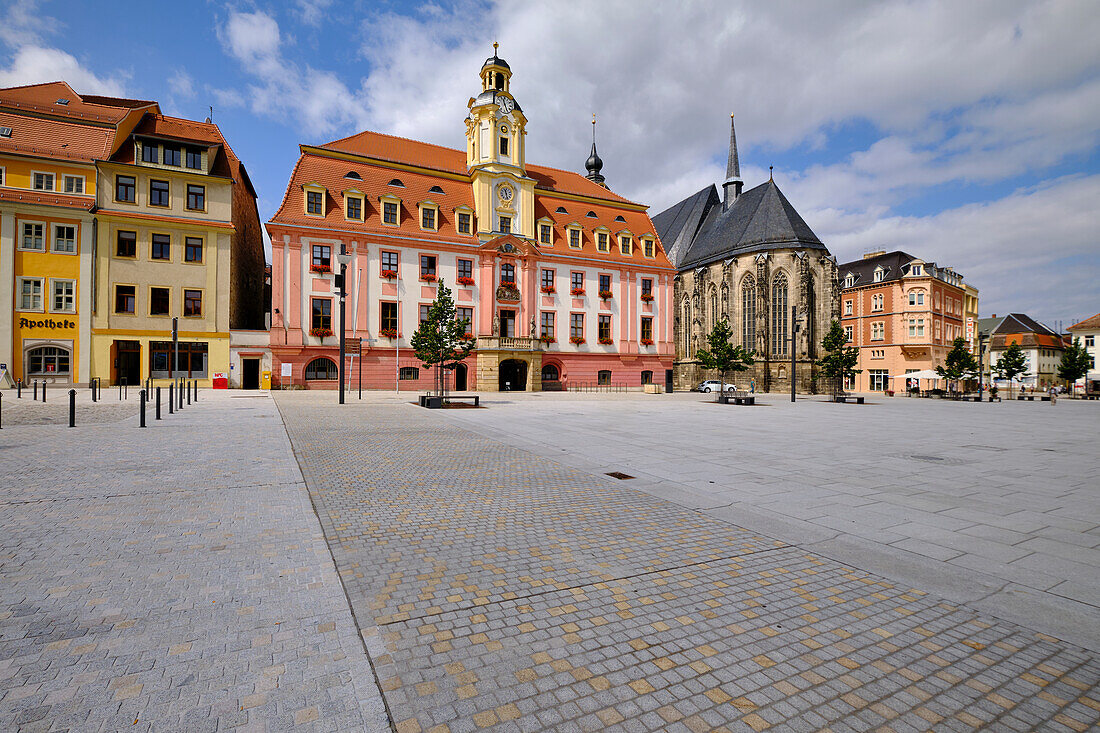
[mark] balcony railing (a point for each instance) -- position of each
(509, 343)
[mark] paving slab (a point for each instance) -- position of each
(171, 578)
(509, 588)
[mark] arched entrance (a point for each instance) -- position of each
(460, 378)
(551, 378)
(513, 375)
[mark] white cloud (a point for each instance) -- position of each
(937, 92)
(36, 64)
(181, 85)
(312, 12)
(23, 23)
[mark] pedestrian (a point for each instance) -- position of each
(1053, 394)
(752, 385)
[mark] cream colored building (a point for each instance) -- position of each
(174, 213)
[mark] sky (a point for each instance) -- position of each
(964, 133)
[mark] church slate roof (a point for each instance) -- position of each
(760, 219)
(677, 225)
(892, 263)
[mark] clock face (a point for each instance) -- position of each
(506, 104)
(505, 193)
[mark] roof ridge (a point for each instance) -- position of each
(44, 84)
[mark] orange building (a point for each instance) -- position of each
(562, 280)
(903, 314)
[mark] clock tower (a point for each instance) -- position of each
(504, 196)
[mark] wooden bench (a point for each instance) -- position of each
(845, 397)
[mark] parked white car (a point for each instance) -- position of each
(712, 385)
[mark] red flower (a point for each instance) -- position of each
(647, 342)
(320, 332)
(549, 289)
(606, 340)
(606, 295)
(647, 297)
(465, 281)
(389, 274)
(578, 340)
(320, 268)
(388, 333)
(577, 291)
(427, 277)
(548, 339)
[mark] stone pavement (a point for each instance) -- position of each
(171, 579)
(55, 410)
(500, 589)
(991, 505)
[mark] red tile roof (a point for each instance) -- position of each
(42, 99)
(1089, 324)
(450, 160)
(329, 172)
(54, 138)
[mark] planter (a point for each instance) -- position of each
(388, 333)
(388, 275)
(430, 279)
(320, 269)
(576, 340)
(508, 293)
(647, 298)
(465, 281)
(549, 290)
(647, 342)
(547, 340)
(606, 295)
(320, 332)
(577, 292)
(606, 342)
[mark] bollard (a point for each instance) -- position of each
(179, 395)
(43, 390)
(36, 390)
(19, 389)
(1, 410)
(158, 403)
(72, 408)
(91, 386)
(196, 390)
(120, 390)
(189, 393)
(142, 423)
(171, 397)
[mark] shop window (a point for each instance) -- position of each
(409, 373)
(48, 361)
(647, 377)
(321, 368)
(603, 377)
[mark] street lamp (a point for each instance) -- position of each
(344, 259)
(794, 332)
(982, 338)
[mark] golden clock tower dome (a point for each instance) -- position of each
(495, 155)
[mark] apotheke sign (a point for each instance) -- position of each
(46, 323)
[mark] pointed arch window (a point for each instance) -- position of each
(748, 312)
(779, 315)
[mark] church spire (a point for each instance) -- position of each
(594, 164)
(733, 172)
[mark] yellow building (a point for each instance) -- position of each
(178, 239)
(50, 140)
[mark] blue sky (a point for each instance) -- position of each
(964, 133)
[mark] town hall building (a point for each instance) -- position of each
(749, 257)
(563, 282)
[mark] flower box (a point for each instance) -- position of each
(577, 292)
(508, 293)
(606, 295)
(465, 281)
(605, 341)
(576, 340)
(547, 339)
(388, 333)
(320, 269)
(647, 342)
(427, 278)
(389, 274)
(467, 335)
(647, 297)
(549, 289)
(320, 332)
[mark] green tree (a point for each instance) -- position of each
(959, 363)
(723, 356)
(1011, 364)
(441, 341)
(1076, 363)
(840, 359)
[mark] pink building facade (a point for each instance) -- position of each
(564, 282)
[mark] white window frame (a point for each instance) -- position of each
(21, 295)
(23, 237)
(65, 184)
(877, 302)
(53, 180)
(849, 333)
(847, 307)
(879, 274)
(53, 239)
(917, 270)
(54, 282)
(849, 280)
(878, 330)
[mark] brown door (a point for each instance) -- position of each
(508, 323)
(127, 362)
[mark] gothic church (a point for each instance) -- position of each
(750, 258)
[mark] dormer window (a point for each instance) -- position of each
(172, 155)
(647, 248)
(574, 236)
(353, 176)
(464, 220)
(849, 280)
(916, 270)
(879, 274)
(353, 207)
(150, 153)
(626, 244)
(396, 182)
(391, 210)
(315, 203)
(620, 218)
(591, 215)
(435, 189)
(193, 158)
(601, 241)
(546, 232)
(560, 210)
(429, 216)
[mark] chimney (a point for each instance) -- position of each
(876, 253)
(733, 173)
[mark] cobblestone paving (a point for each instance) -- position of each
(171, 579)
(499, 589)
(55, 410)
